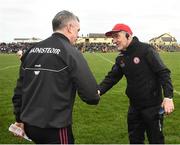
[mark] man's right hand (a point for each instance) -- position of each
(21, 125)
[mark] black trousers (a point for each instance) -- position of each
(145, 120)
(50, 135)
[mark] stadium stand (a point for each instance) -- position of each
(94, 42)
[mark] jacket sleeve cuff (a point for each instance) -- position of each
(18, 118)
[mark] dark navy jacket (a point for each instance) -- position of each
(145, 73)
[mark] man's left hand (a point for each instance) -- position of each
(168, 105)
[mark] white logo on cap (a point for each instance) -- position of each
(136, 60)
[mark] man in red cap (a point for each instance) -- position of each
(146, 77)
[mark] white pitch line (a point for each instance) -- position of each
(8, 67)
(105, 58)
(175, 91)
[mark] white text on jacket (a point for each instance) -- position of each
(45, 50)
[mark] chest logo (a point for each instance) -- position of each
(136, 60)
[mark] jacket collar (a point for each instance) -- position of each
(56, 34)
(132, 46)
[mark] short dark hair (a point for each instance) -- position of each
(62, 18)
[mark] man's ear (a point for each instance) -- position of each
(127, 35)
(69, 28)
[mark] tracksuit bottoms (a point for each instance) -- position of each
(49, 135)
(148, 120)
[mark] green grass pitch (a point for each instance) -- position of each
(101, 124)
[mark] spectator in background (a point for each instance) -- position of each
(50, 73)
(146, 76)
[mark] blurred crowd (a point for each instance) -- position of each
(168, 48)
(14, 47)
(96, 47)
(88, 47)
(83, 47)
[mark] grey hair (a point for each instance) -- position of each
(62, 18)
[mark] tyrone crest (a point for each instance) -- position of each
(136, 60)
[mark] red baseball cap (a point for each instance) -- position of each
(119, 27)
